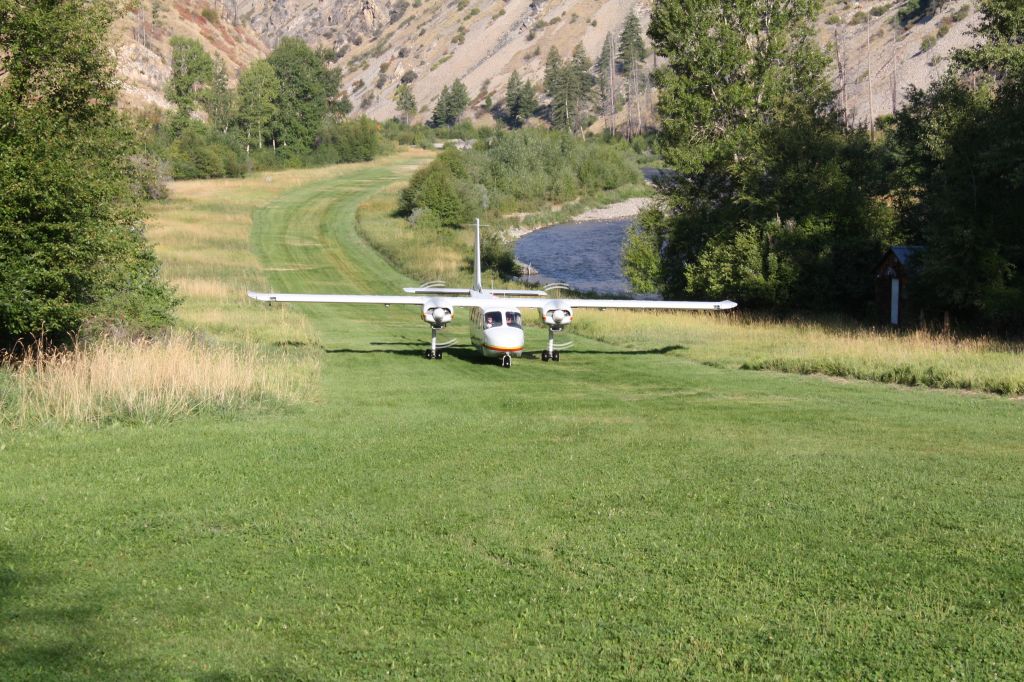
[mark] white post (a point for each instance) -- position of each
(894, 302)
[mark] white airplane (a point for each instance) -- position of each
(496, 323)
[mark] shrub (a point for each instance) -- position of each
(859, 18)
(928, 42)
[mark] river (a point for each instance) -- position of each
(586, 255)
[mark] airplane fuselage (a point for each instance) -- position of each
(497, 330)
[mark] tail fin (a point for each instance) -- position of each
(478, 284)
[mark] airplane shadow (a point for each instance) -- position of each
(470, 354)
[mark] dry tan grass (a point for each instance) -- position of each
(419, 253)
(150, 381)
(912, 358)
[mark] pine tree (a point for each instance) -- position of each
(632, 53)
(570, 86)
(450, 105)
(583, 84)
(606, 67)
(440, 115)
(520, 100)
(458, 100)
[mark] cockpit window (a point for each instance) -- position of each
(492, 319)
(513, 319)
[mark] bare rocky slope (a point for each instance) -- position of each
(432, 42)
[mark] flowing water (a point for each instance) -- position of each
(586, 255)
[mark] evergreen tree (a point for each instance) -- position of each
(458, 100)
(258, 90)
(570, 87)
(450, 105)
(405, 101)
(632, 53)
(606, 67)
(520, 100)
(440, 115)
(72, 247)
(191, 70)
(583, 85)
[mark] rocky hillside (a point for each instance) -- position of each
(877, 59)
(143, 50)
(429, 43)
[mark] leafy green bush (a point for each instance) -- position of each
(522, 170)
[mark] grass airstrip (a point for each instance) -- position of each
(628, 512)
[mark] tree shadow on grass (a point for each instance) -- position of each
(42, 642)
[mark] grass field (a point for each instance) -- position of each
(626, 513)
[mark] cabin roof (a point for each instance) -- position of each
(905, 254)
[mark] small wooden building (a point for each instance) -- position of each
(894, 284)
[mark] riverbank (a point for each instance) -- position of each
(613, 205)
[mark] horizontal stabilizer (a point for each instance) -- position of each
(515, 292)
(435, 290)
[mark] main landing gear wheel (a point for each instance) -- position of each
(545, 356)
(432, 354)
(554, 356)
(506, 361)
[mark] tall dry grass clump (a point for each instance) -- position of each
(148, 380)
(914, 358)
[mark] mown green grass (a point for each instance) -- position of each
(626, 513)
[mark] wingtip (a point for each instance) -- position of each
(729, 305)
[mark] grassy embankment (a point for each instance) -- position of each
(626, 513)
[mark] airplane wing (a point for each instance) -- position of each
(620, 303)
(338, 298)
(458, 302)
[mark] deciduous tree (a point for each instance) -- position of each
(72, 246)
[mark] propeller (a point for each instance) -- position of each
(556, 286)
(433, 284)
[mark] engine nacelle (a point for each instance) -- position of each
(437, 312)
(556, 315)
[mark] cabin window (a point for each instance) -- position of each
(514, 318)
(492, 319)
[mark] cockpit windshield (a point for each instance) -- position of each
(492, 319)
(514, 318)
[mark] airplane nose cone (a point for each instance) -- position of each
(504, 339)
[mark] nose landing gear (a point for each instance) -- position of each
(433, 353)
(506, 360)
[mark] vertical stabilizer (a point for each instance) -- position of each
(478, 284)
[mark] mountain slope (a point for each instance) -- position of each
(432, 42)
